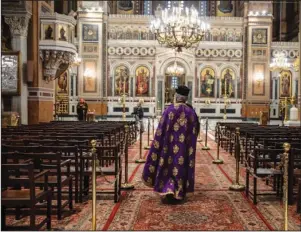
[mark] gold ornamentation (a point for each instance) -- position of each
(181, 160)
(190, 151)
(176, 106)
(159, 132)
(156, 144)
(182, 138)
(165, 172)
(194, 130)
(191, 163)
(175, 149)
(176, 127)
(161, 162)
(151, 169)
(180, 183)
(167, 127)
(171, 181)
(169, 160)
(171, 115)
(182, 121)
(154, 156)
(182, 115)
(165, 149)
(171, 138)
(162, 120)
(175, 171)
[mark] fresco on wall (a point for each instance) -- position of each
(142, 81)
(207, 82)
(62, 84)
(90, 79)
(227, 82)
(285, 84)
(121, 80)
(258, 87)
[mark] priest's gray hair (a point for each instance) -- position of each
(180, 98)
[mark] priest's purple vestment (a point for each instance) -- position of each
(169, 167)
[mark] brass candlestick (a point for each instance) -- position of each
(236, 186)
(126, 185)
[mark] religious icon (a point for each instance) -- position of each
(225, 6)
(227, 81)
(90, 76)
(121, 80)
(142, 81)
(285, 84)
(259, 36)
(62, 83)
(48, 32)
(90, 32)
(62, 34)
(207, 82)
(125, 5)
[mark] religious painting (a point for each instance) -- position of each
(225, 8)
(259, 35)
(258, 85)
(62, 84)
(125, 7)
(90, 78)
(48, 31)
(90, 33)
(228, 83)
(207, 82)
(62, 33)
(10, 73)
(285, 88)
(122, 76)
(142, 81)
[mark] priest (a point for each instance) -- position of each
(169, 168)
(82, 109)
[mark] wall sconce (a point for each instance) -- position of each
(77, 60)
(259, 77)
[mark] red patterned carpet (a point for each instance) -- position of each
(211, 207)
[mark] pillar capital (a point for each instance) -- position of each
(18, 24)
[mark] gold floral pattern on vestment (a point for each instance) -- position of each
(171, 138)
(154, 156)
(159, 132)
(181, 160)
(175, 171)
(169, 160)
(156, 144)
(171, 115)
(191, 163)
(176, 127)
(161, 162)
(165, 149)
(190, 151)
(175, 149)
(182, 138)
(151, 169)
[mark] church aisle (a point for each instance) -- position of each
(211, 207)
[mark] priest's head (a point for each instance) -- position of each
(182, 93)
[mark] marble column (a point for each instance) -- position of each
(18, 25)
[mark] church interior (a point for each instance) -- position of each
(73, 150)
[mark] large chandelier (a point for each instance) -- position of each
(279, 62)
(177, 27)
(175, 70)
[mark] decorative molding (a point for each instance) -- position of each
(214, 53)
(52, 59)
(18, 25)
(129, 51)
